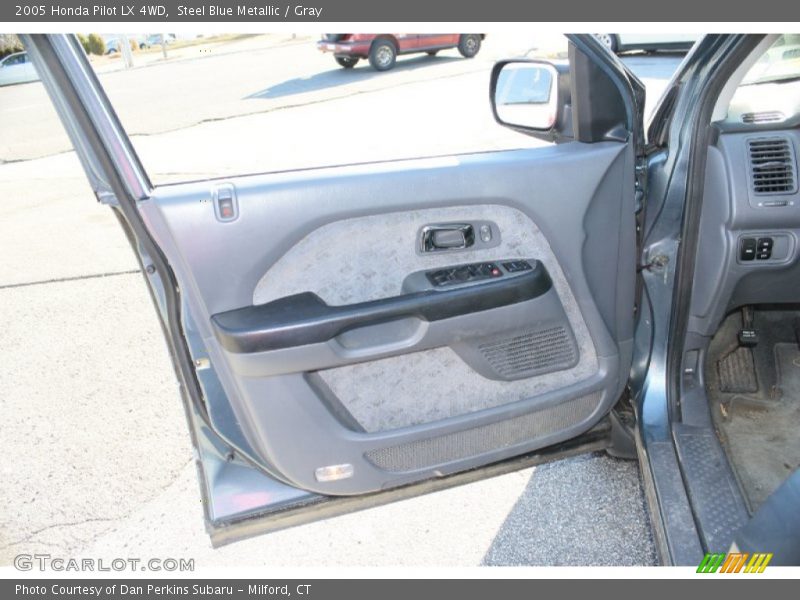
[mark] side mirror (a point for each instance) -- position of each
(531, 97)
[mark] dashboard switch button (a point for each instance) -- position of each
(764, 248)
(747, 249)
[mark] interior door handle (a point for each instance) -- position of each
(450, 236)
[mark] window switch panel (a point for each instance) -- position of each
(476, 272)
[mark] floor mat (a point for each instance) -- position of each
(761, 438)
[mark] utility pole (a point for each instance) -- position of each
(125, 48)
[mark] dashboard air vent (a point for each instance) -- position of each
(772, 165)
(769, 116)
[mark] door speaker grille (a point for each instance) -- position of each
(537, 351)
(474, 442)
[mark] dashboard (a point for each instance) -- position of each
(750, 224)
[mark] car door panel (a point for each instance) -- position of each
(406, 42)
(411, 397)
(389, 380)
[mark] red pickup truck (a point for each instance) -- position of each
(382, 49)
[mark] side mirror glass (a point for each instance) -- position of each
(525, 94)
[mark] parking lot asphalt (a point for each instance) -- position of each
(101, 461)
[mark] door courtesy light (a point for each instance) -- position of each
(334, 472)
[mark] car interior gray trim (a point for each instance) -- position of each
(723, 281)
(305, 318)
(446, 449)
(287, 405)
(314, 264)
(552, 188)
(234, 529)
(679, 385)
(405, 336)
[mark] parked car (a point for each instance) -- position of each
(651, 42)
(156, 39)
(393, 328)
(382, 49)
(17, 68)
(113, 41)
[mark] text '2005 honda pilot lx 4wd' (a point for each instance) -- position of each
(629, 288)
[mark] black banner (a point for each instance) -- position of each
(274, 11)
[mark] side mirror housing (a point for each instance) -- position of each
(532, 97)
